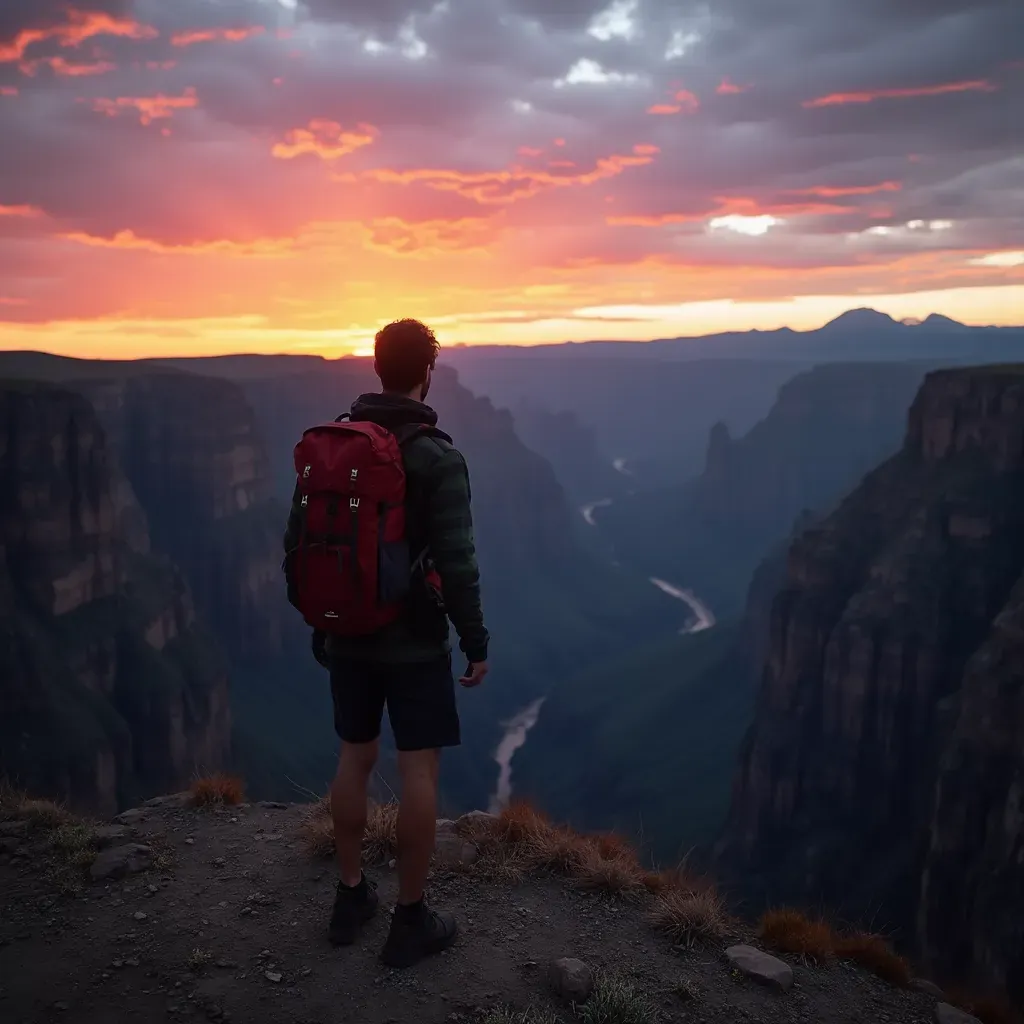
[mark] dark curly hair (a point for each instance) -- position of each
(403, 353)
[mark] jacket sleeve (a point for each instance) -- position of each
(453, 551)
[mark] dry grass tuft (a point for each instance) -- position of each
(876, 955)
(619, 876)
(198, 959)
(380, 841)
(791, 931)
(559, 849)
(316, 830)
(217, 791)
(531, 1015)
(521, 823)
(690, 916)
(617, 1001)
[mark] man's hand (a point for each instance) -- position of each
(476, 671)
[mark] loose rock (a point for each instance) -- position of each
(132, 816)
(761, 967)
(117, 861)
(273, 976)
(571, 980)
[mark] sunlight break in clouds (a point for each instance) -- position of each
(306, 171)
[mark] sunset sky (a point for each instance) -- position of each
(198, 176)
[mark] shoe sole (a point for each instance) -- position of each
(347, 938)
(404, 958)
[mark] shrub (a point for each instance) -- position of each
(217, 791)
(791, 931)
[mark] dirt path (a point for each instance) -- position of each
(236, 896)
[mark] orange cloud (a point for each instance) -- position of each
(325, 139)
(682, 100)
(727, 88)
(829, 192)
(404, 238)
(160, 65)
(150, 108)
(65, 68)
(508, 186)
(81, 25)
(210, 35)
(20, 211)
(8, 90)
(529, 151)
(840, 98)
(129, 240)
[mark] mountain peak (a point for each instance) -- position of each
(938, 320)
(861, 318)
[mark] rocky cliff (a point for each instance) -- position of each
(883, 773)
(110, 690)
(193, 454)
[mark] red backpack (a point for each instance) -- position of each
(350, 571)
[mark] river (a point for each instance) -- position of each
(518, 727)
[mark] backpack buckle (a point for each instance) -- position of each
(305, 500)
(305, 472)
(353, 503)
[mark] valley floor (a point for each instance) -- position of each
(230, 922)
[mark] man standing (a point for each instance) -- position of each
(406, 663)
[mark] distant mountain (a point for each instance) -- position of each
(859, 334)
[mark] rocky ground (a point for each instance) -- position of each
(221, 914)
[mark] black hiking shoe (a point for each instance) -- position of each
(353, 907)
(417, 932)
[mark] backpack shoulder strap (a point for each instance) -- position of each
(408, 431)
(344, 417)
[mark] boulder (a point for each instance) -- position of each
(761, 967)
(571, 980)
(454, 851)
(946, 1014)
(133, 816)
(118, 861)
(476, 821)
(108, 835)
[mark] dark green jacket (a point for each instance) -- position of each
(438, 519)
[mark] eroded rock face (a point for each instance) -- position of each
(885, 764)
(106, 689)
(194, 456)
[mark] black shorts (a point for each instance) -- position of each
(420, 698)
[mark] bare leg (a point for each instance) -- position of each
(417, 819)
(348, 806)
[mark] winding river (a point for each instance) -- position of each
(518, 727)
